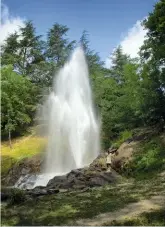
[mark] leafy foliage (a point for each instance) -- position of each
(23, 50)
(149, 160)
(153, 57)
(18, 101)
(17, 196)
(58, 47)
(93, 59)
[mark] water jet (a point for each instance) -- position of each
(72, 126)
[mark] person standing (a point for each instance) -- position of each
(109, 161)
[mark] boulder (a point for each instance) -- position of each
(123, 155)
(57, 181)
(91, 176)
(31, 165)
(40, 191)
(81, 179)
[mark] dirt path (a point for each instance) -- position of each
(130, 211)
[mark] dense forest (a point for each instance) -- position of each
(130, 94)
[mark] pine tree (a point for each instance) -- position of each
(23, 50)
(93, 59)
(58, 47)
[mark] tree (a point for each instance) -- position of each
(58, 47)
(119, 60)
(153, 105)
(23, 50)
(155, 25)
(93, 59)
(42, 74)
(153, 60)
(18, 104)
(9, 50)
(117, 93)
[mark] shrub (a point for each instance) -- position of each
(16, 196)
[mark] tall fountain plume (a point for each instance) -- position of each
(73, 129)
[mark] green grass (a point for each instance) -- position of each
(66, 208)
(60, 209)
(155, 218)
(21, 148)
(122, 137)
(148, 160)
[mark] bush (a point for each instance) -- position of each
(122, 138)
(148, 160)
(16, 196)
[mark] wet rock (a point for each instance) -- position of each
(57, 181)
(97, 181)
(41, 191)
(77, 179)
(38, 188)
(53, 191)
(25, 167)
(25, 171)
(81, 179)
(38, 192)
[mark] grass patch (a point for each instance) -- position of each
(63, 208)
(155, 218)
(122, 138)
(21, 148)
(148, 160)
(67, 208)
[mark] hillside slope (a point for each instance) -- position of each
(137, 199)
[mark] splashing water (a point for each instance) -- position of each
(73, 129)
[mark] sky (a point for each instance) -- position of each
(108, 22)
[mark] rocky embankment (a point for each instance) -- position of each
(80, 179)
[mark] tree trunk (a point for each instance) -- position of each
(10, 140)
